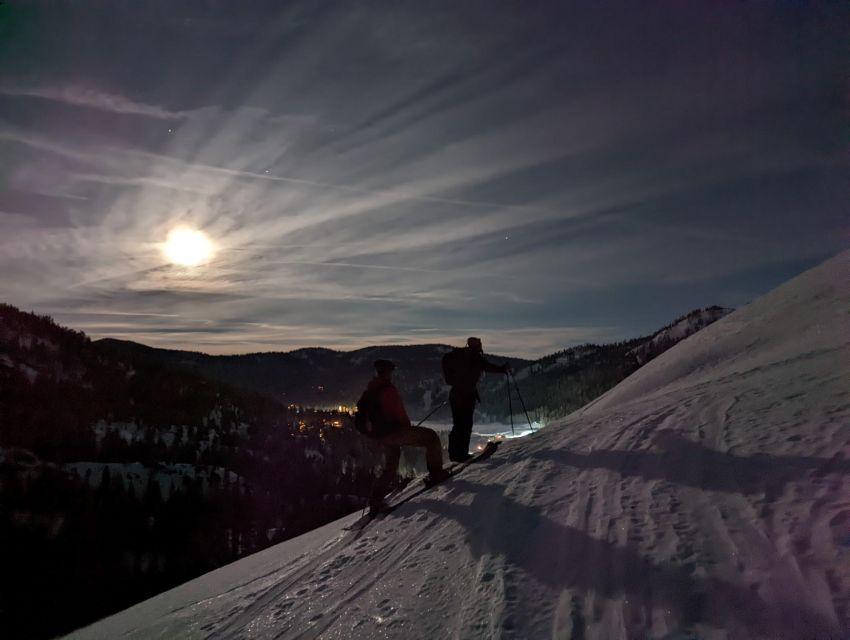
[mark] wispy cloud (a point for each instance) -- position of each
(387, 178)
(91, 98)
(226, 335)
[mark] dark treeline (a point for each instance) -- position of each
(87, 543)
(558, 384)
(121, 479)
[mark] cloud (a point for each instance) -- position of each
(232, 336)
(375, 176)
(92, 98)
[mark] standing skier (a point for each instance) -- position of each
(389, 424)
(462, 369)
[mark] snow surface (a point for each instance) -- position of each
(706, 496)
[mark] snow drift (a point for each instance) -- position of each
(705, 496)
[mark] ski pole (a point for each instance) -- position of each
(371, 493)
(419, 424)
(513, 377)
(510, 406)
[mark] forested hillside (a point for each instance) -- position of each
(120, 478)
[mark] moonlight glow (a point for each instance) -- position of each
(188, 247)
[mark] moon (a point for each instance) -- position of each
(188, 247)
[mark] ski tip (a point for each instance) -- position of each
(491, 445)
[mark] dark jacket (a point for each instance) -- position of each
(473, 366)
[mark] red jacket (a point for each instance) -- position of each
(392, 407)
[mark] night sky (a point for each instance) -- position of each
(538, 174)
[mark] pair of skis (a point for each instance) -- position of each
(405, 495)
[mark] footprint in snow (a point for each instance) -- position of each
(840, 527)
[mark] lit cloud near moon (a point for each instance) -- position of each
(188, 247)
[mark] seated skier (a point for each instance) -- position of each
(392, 428)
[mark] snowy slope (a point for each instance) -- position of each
(705, 496)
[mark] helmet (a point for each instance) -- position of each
(383, 366)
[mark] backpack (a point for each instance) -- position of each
(454, 366)
(368, 419)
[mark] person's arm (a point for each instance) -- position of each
(394, 411)
(486, 365)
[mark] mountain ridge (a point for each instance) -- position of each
(320, 377)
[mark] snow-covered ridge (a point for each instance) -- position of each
(706, 496)
(677, 331)
(805, 318)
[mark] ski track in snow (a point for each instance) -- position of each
(707, 496)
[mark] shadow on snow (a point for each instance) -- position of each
(562, 557)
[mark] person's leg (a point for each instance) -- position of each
(392, 452)
(463, 408)
(458, 413)
(429, 439)
(469, 409)
(420, 437)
